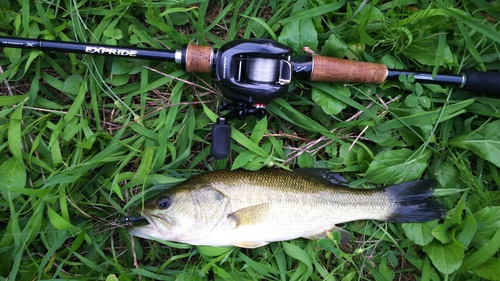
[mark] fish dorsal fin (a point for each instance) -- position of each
(250, 244)
(345, 235)
(249, 215)
(324, 175)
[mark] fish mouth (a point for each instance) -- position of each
(166, 221)
(151, 229)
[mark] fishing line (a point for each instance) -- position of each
(97, 224)
(262, 69)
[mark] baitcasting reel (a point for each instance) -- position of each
(251, 74)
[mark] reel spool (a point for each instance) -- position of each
(262, 70)
(254, 71)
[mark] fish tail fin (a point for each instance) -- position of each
(413, 202)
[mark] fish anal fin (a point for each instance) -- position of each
(250, 244)
(345, 235)
(249, 215)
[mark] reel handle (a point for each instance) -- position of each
(328, 69)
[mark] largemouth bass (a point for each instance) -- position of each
(253, 208)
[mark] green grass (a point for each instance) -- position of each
(84, 139)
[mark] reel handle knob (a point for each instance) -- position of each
(221, 139)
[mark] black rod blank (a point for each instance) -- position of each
(87, 48)
(422, 77)
(472, 81)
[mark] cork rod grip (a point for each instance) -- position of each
(327, 69)
(199, 58)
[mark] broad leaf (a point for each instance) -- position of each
(118, 80)
(394, 166)
(111, 277)
(425, 52)
(121, 66)
(411, 100)
(243, 159)
(483, 254)
(387, 139)
(12, 177)
(488, 222)
(259, 130)
(446, 258)
(299, 34)
(484, 142)
(369, 14)
(334, 47)
(424, 101)
(420, 233)
(490, 270)
(72, 84)
(328, 101)
(447, 175)
(391, 62)
(469, 230)
(442, 232)
(306, 160)
(13, 54)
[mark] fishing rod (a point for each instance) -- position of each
(252, 73)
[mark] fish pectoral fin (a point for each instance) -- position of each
(250, 244)
(249, 215)
(345, 235)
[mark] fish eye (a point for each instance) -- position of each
(164, 202)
